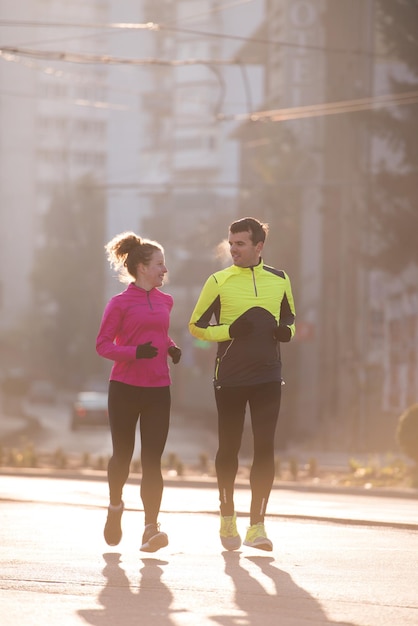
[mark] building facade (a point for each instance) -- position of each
(189, 115)
(54, 129)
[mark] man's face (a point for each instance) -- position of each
(243, 252)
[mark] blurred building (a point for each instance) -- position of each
(392, 374)
(188, 178)
(344, 311)
(282, 166)
(54, 129)
(310, 178)
(205, 115)
(146, 129)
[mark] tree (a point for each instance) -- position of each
(394, 210)
(68, 283)
(407, 432)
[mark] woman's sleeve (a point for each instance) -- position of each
(108, 331)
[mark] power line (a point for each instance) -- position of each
(326, 108)
(79, 78)
(102, 59)
(9, 54)
(168, 187)
(153, 26)
(252, 40)
(79, 37)
(96, 25)
(274, 115)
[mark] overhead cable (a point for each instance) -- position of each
(326, 108)
(76, 57)
(153, 26)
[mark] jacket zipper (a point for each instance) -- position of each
(220, 359)
(254, 283)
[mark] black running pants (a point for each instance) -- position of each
(151, 405)
(264, 405)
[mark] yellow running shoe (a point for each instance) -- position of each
(256, 537)
(228, 533)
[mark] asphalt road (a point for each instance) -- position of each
(331, 565)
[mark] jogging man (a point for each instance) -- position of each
(248, 309)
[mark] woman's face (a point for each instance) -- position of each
(153, 273)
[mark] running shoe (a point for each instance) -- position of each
(113, 530)
(228, 533)
(256, 537)
(153, 539)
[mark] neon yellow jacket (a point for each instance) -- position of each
(264, 296)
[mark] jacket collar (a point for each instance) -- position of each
(253, 268)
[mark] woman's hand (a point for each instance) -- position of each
(175, 353)
(146, 351)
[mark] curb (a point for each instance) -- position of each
(201, 482)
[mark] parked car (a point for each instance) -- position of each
(89, 409)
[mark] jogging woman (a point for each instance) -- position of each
(134, 334)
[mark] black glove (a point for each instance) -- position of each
(282, 334)
(240, 328)
(146, 351)
(175, 353)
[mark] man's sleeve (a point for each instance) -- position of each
(207, 307)
(287, 309)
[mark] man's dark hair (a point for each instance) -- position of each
(258, 231)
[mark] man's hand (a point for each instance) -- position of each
(240, 328)
(175, 353)
(282, 334)
(146, 351)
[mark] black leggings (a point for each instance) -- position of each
(126, 404)
(264, 403)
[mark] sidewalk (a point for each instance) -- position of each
(201, 497)
(186, 441)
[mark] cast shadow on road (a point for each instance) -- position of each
(126, 603)
(149, 601)
(285, 603)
